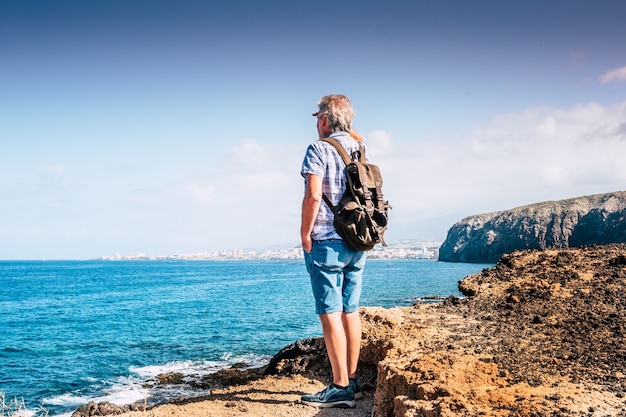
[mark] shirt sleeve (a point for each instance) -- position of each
(313, 163)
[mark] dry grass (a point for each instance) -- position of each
(16, 407)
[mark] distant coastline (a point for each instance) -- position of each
(405, 249)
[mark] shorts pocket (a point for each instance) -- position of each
(307, 261)
(327, 257)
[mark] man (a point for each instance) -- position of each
(335, 269)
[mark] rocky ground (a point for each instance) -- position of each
(540, 334)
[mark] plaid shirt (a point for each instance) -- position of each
(323, 160)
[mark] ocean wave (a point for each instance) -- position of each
(12, 350)
(122, 392)
(66, 400)
(141, 385)
(200, 368)
(24, 413)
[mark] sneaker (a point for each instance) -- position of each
(331, 397)
(356, 388)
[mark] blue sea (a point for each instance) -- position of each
(77, 331)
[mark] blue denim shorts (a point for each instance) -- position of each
(336, 272)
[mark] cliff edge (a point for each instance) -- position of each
(542, 333)
(592, 220)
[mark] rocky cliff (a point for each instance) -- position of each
(592, 220)
(542, 333)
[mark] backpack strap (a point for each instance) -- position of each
(347, 159)
(342, 151)
(333, 208)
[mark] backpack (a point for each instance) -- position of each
(361, 217)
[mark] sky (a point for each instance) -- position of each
(178, 127)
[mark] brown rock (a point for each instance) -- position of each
(101, 409)
(542, 334)
(173, 378)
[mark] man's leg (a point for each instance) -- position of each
(352, 328)
(337, 342)
(326, 264)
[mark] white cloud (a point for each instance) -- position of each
(257, 172)
(548, 126)
(250, 155)
(617, 74)
(252, 173)
(539, 154)
(56, 169)
(553, 175)
(203, 194)
(379, 143)
(250, 198)
(537, 129)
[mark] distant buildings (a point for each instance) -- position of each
(407, 249)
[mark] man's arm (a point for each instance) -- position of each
(310, 206)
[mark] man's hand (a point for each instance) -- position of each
(307, 244)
